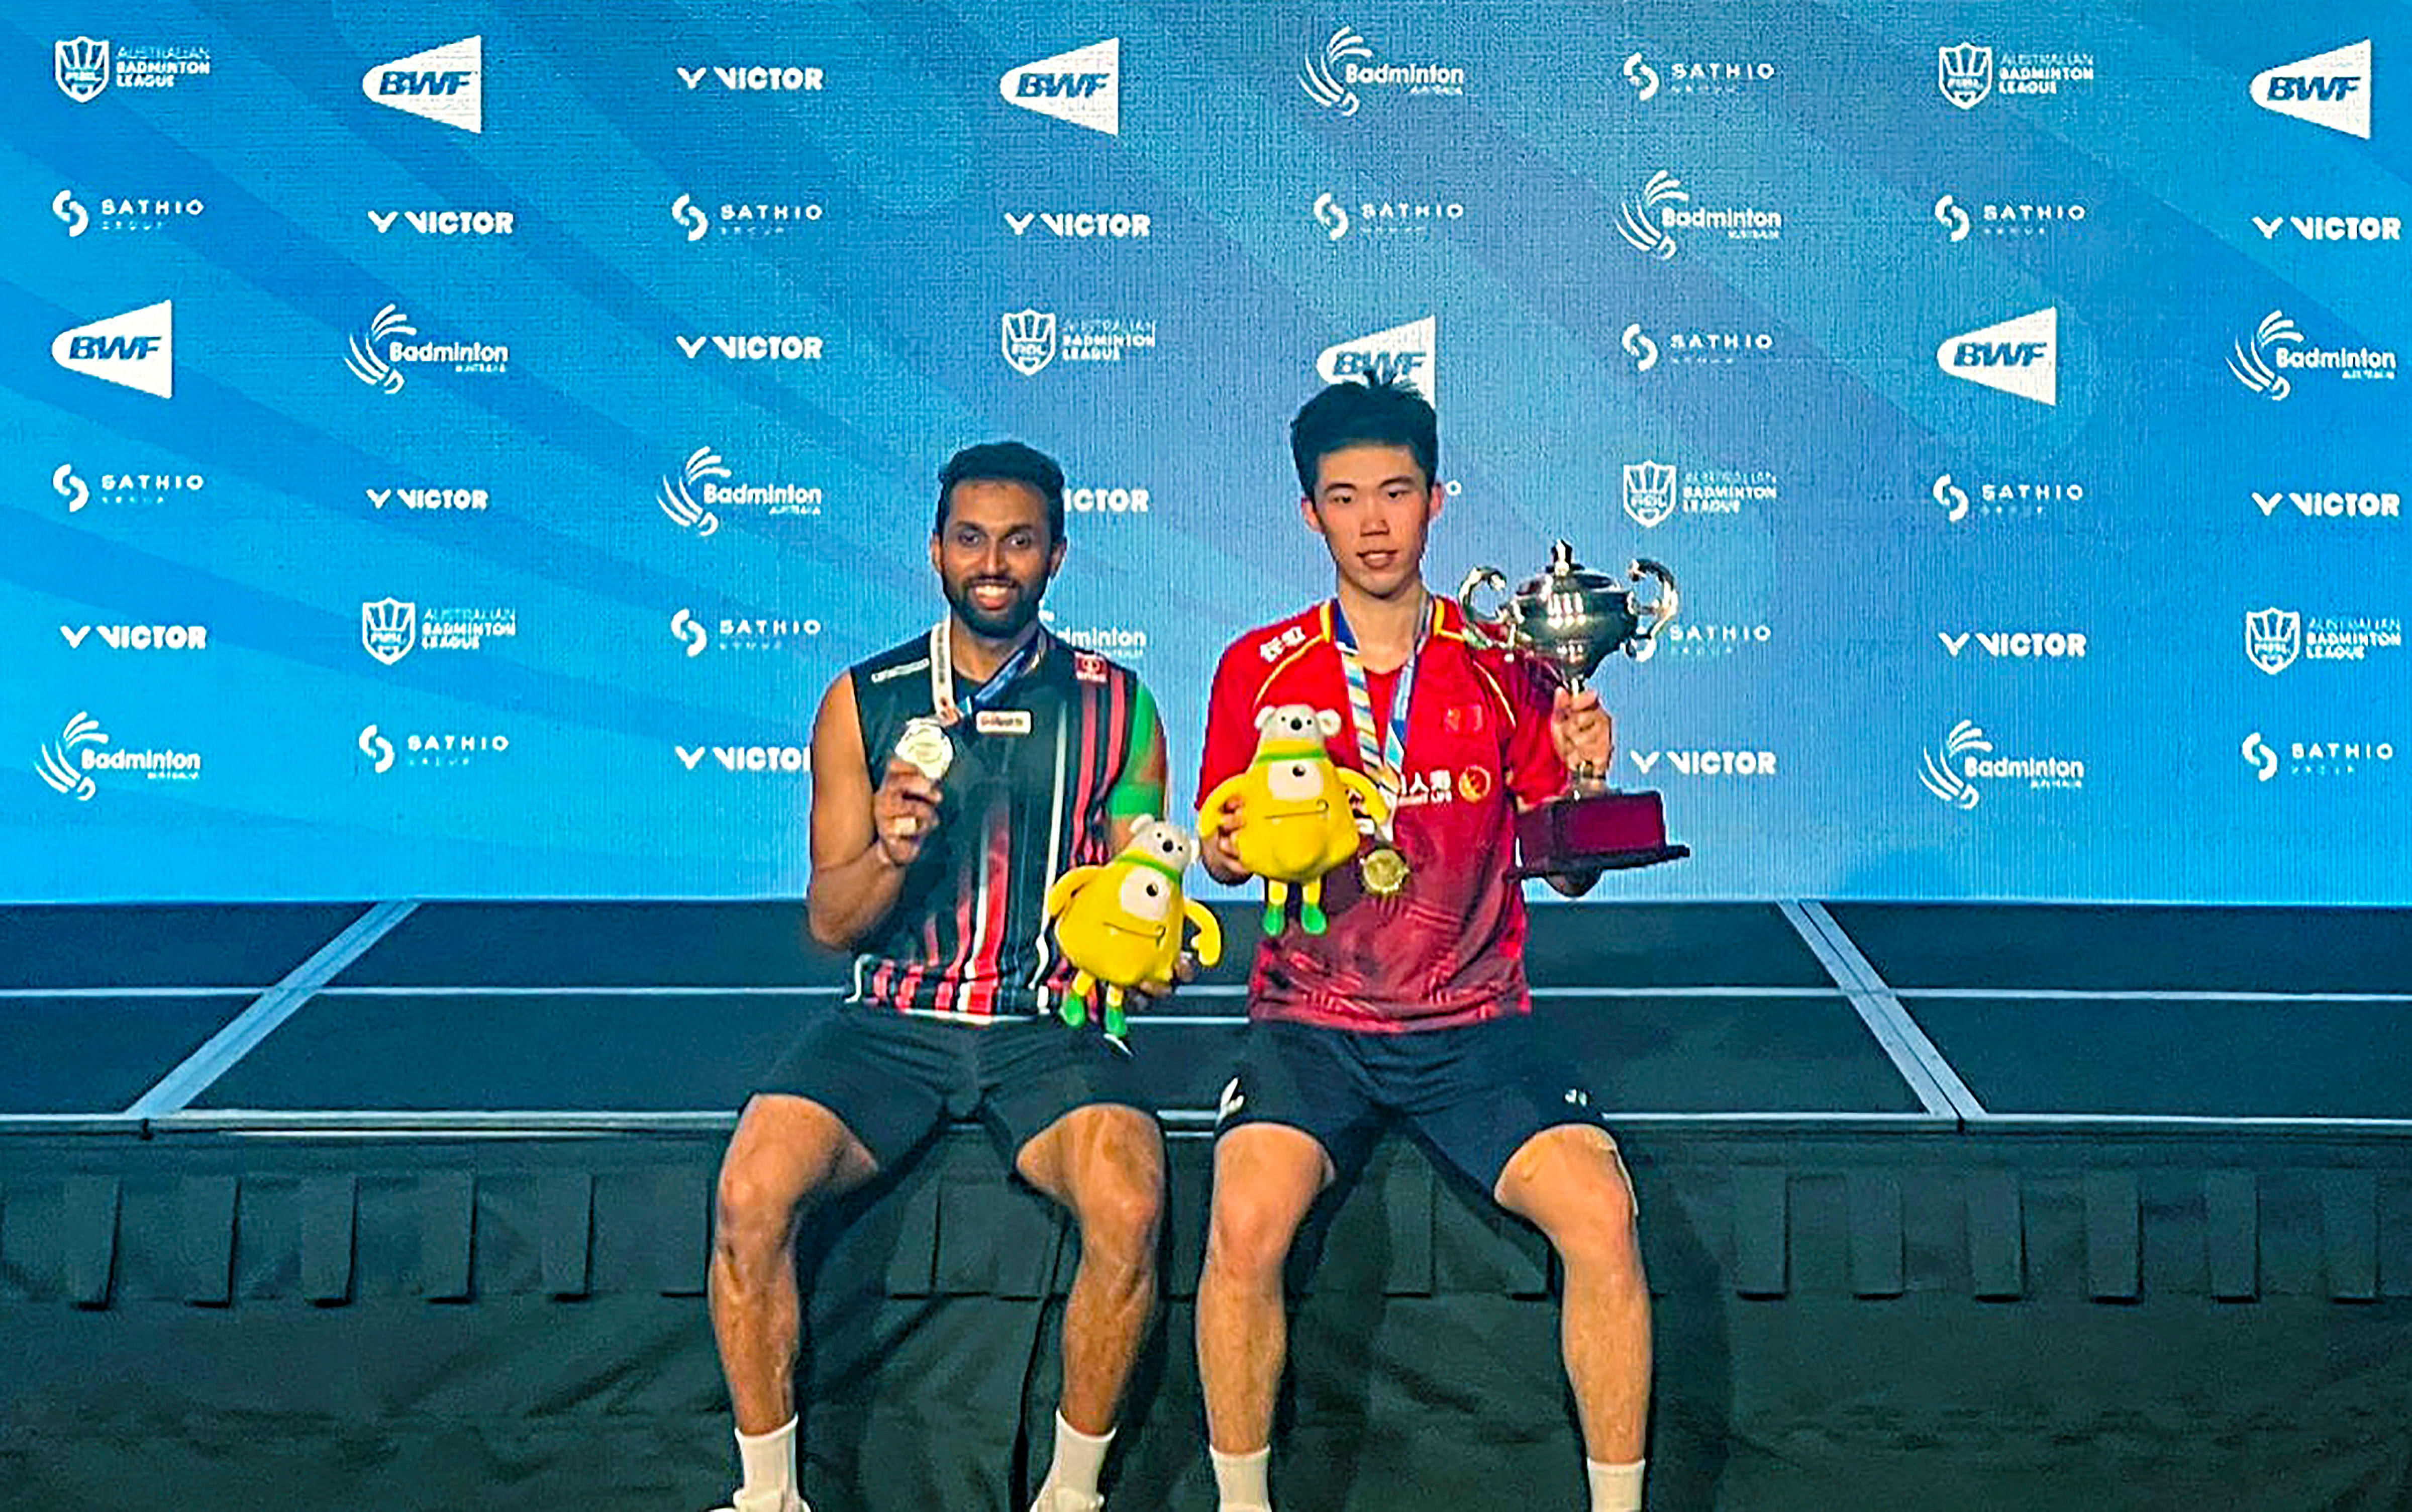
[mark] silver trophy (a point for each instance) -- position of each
(1570, 619)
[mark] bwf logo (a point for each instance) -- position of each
(445, 85)
(1408, 354)
(134, 350)
(1082, 87)
(2019, 356)
(2328, 89)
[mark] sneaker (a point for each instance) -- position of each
(1059, 1499)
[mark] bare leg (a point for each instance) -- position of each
(1266, 1176)
(1570, 1183)
(1105, 1162)
(787, 1154)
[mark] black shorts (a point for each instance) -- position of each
(1474, 1094)
(893, 1078)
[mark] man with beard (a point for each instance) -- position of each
(1411, 1007)
(954, 778)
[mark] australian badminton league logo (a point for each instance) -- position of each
(389, 628)
(81, 65)
(1964, 72)
(1649, 493)
(1028, 340)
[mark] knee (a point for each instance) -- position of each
(1248, 1240)
(1120, 1220)
(1595, 1226)
(753, 1212)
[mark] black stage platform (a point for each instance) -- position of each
(1947, 1207)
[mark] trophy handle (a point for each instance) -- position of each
(1493, 632)
(1652, 616)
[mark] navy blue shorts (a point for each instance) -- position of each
(894, 1078)
(1473, 1094)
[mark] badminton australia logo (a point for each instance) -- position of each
(692, 496)
(2328, 89)
(1958, 771)
(1333, 73)
(134, 350)
(445, 85)
(2020, 356)
(1649, 221)
(67, 763)
(1082, 87)
(1408, 352)
(2278, 352)
(379, 353)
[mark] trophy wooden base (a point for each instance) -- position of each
(1601, 832)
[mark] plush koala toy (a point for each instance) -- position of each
(1120, 924)
(1297, 823)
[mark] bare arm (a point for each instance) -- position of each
(862, 839)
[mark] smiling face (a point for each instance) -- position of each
(994, 555)
(1373, 505)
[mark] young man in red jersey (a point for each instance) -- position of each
(955, 776)
(1412, 1003)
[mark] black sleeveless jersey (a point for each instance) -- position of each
(1032, 793)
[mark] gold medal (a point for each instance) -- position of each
(1384, 871)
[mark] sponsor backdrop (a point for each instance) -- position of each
(449, 448)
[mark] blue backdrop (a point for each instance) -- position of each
(450, 447)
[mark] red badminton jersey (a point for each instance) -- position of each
(1449, 948)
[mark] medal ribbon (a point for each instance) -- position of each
(1384, 757)
(942, 674)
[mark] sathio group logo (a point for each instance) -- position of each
(1341, 218)
(379, 354)
(119, 215)
(2278, 352)
(134, 350)
(2330, 89)
(425, 750)
(2361, 756)
(739, 631)
(445, 85)
(1959, 497)
(756, 219)
(1650, 75)
(1693, 347)
(1082, 87)
(115, 487)
(67, 763)
(2007, 218)
(1333, 72)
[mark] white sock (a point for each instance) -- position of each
(1240, 1479)
(1615, 1487)
(1079, 1459)
(768, 1464)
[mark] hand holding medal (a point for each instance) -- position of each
(905, 808)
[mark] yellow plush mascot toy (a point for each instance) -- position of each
(1297, 824)
(1120, 924)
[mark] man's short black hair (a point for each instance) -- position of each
(1004, 462)
(1378, 412)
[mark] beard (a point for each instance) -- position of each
(995, 624)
